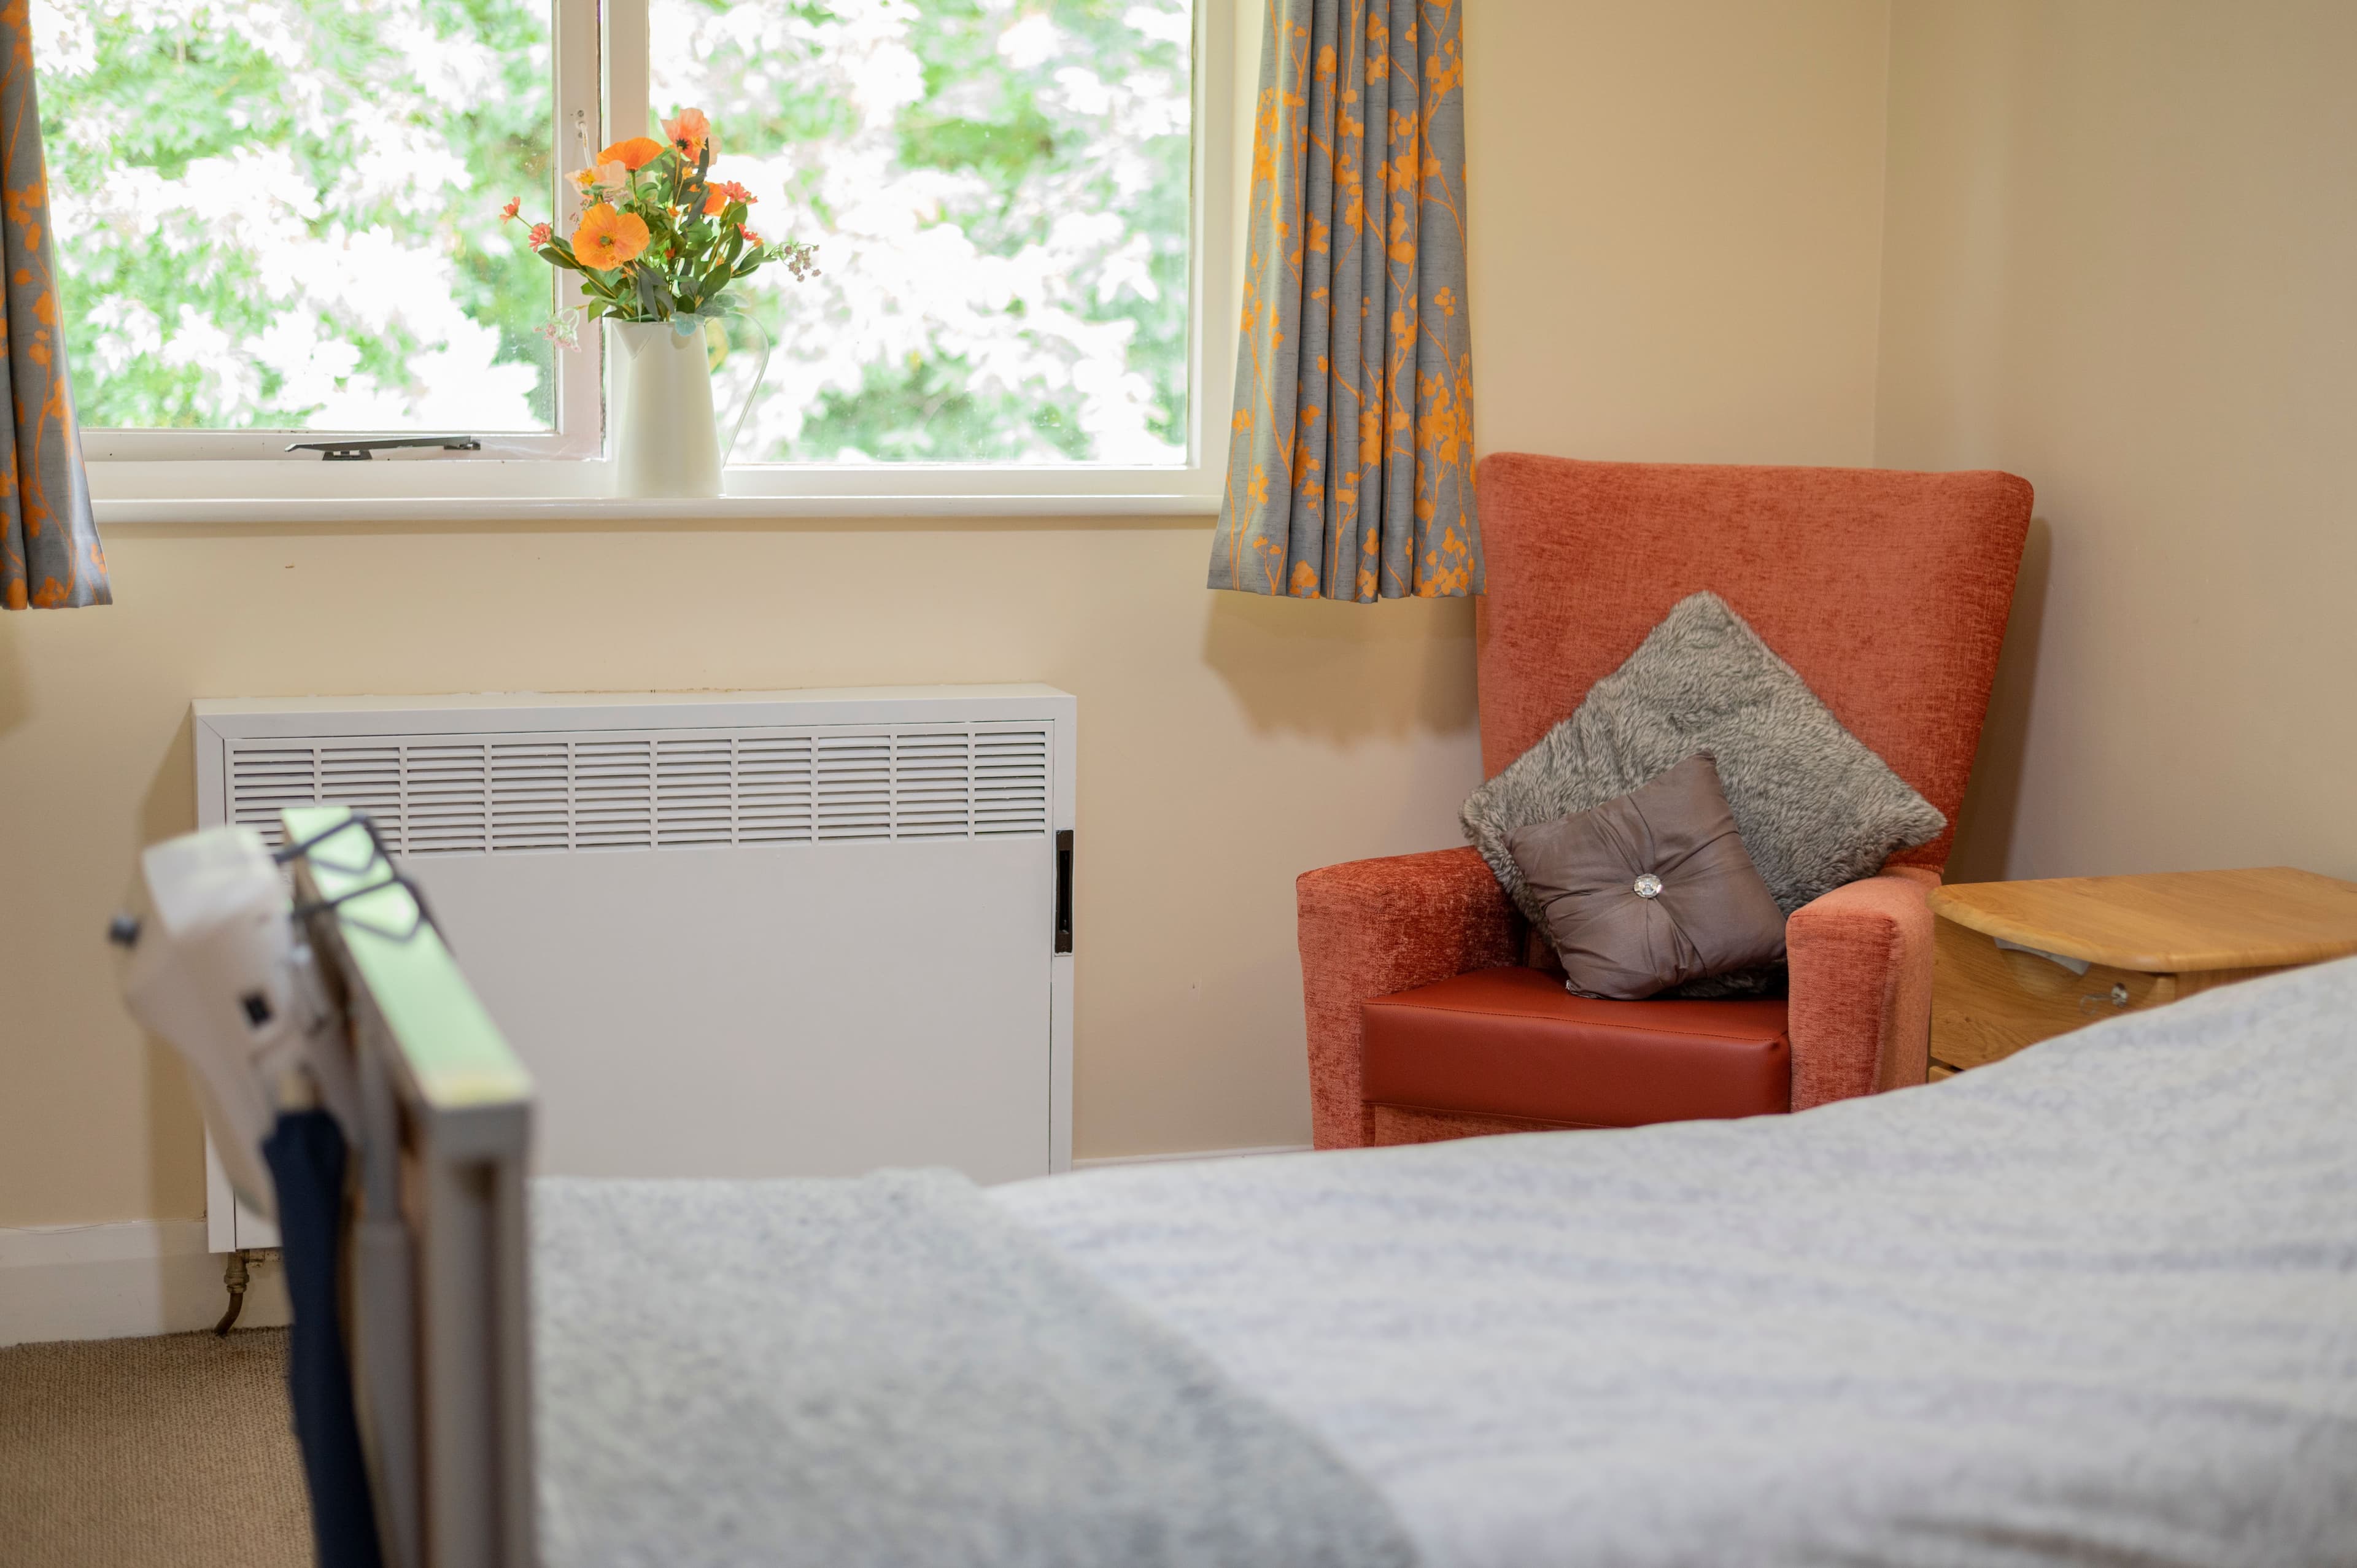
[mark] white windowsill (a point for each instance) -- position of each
(217, 510)
(405, 490)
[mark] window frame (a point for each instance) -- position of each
(578, 434)
(602, 80)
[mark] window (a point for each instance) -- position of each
(280, 218)
(271, 216)
(1002, 189)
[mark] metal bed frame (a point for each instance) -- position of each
(437, 1260)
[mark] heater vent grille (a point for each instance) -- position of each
(669, 789)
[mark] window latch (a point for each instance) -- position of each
(361, 451)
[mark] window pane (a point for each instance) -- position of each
(284, 213)
(1000, 194)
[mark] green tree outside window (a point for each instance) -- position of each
(284, 214)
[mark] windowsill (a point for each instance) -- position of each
(401, 491)
(219, 510)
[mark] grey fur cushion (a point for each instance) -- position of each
(1815, 807)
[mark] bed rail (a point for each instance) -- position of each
(439, 1328)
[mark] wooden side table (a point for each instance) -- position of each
(2017, 962)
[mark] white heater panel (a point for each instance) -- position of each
(819, 1009)
(737, 934)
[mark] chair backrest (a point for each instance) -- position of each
(1887, 590)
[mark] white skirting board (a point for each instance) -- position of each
(155, 1277)
(115, 1281)
(1099, 1161)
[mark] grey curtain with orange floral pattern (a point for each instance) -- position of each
(1351, 455)
(50, 555)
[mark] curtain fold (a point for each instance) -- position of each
(49, 553)
(1350, 453)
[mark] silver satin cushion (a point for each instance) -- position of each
(1651, 890)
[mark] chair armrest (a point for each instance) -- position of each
(1861, 1007)
(1374, 927)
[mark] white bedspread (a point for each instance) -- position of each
(2095, 1304)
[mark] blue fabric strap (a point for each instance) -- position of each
(307, 1163)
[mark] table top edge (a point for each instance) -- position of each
(2200, 952)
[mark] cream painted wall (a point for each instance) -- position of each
(1227, 744)
(2120, 245)
(1674, 236)
(1677, 233)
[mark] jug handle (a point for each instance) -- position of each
(752, 389)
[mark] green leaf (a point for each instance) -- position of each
(651, 293)
(692, 183)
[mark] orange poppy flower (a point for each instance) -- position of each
(607, 239)
(690, 133)
(633, 155)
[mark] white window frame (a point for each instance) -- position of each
(580, 402)
(170, 475)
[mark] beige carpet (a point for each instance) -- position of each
(125, 1453)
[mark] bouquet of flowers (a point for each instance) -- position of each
(658, 241)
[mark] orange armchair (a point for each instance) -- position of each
(1887, 591)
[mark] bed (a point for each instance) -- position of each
(2096, 1303)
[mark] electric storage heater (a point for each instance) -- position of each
(731, 934)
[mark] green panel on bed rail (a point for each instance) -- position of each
(455, 1052)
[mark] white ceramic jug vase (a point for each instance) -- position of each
(667, 440)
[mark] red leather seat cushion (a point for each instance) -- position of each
(1513, 1042)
